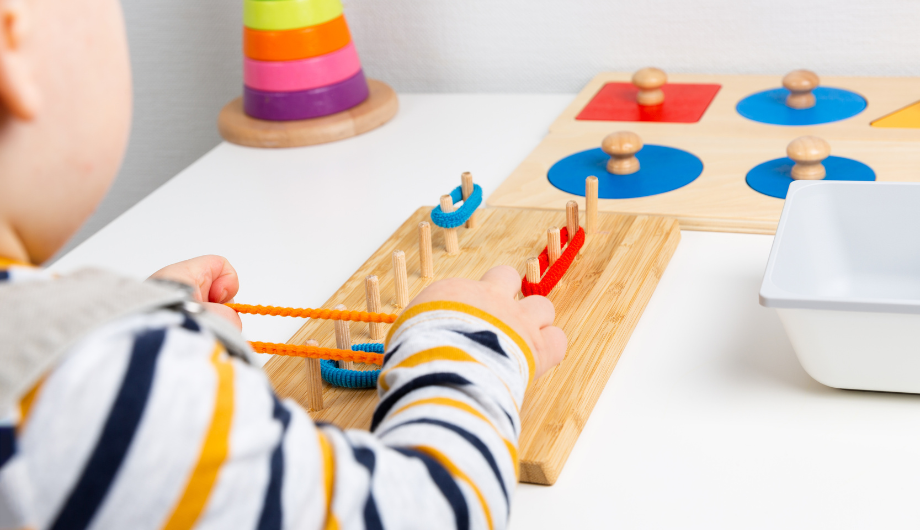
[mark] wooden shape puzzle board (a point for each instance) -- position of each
(884, 95)
(598, 303)
(729, 146)
(719, 199)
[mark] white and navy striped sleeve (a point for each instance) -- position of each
(442, 451)
(148, 423)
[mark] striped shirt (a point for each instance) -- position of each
(147, 423)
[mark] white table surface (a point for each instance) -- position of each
(708, 421)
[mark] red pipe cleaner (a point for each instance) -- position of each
(555, 273)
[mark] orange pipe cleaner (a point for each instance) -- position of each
(557, 271)
(327, 314)
(315, 352)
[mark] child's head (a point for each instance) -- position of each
(65, 109)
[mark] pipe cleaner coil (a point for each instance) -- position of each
(326, 314)
(316, 352)
(342, 377)
(552, 275)
(462, 214)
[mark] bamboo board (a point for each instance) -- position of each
(598, 303)
(729, 146)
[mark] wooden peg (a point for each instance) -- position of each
(591, 205)
(622, 147)
(401, 279)
(451, 244)
(466, 181)
(571, 218)
(372, 294)
(808, 152)
(800, 83)
(533, 270)
(649, 82)
(424, 250)
(314, 379)
(553, 245)
(343, 338)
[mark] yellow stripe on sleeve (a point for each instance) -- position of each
(512, 450)
(448, 402)
(25, 404)
(213, 453)
(328, 479)
(456, 472)
(9, 262)
(441, 353)
(469, 310)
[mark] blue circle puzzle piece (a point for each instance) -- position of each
(661, 169)
(832, 104)
(774, 177)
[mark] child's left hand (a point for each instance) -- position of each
(214, 282)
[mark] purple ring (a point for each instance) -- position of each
(306, 104)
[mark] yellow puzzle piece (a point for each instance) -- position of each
(906, 118)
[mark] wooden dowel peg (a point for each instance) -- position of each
(314, 380)
(800, 84)
(424, 250)
(622, 147)
(343, 338)
(533, 270)
(372, 294)
(591, 205)
(808, 152)
(553, 245)
(649, 82)
(451, 243)
(466, 181)
(571, 220)
(401, 279)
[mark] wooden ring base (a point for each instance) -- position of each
(238, 128)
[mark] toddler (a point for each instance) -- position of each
(136, 405)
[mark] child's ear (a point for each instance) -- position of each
(19, 92)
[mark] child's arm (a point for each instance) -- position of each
(443, 453)
(150, 424)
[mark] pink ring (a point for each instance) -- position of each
(302, 74)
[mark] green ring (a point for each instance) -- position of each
(278, 15)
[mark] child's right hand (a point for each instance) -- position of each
(532, 317)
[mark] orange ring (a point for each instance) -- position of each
(293, 44)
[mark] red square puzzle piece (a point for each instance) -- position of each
(683, 103)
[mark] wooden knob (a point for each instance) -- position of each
(622, 147)
(808, 152)
(800, 83)
(649, 82)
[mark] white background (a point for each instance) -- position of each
(187, 60)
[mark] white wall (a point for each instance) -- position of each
(186, 54)
(557, 45)
(186, 64)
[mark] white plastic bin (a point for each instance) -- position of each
(844, 277)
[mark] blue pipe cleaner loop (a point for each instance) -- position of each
(370, 347)
(462, 214)
(336, 376)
